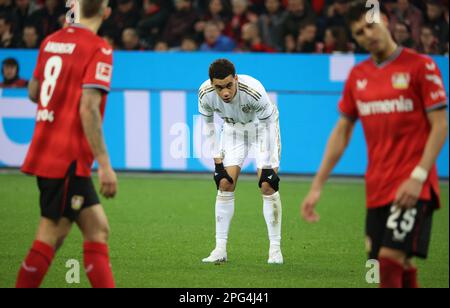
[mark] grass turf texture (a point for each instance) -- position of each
(163, 226)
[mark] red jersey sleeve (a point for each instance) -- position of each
(431, 86)
(98, 74)
(347, 105)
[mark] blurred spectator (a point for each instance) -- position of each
(22, 13)
(299, 13)
(10, 72)
(429, 43)
(336, 40)
(180, 23)
(7, 39)
(154, 19)
(306, 41)
(436, 18)
(241, 16)
(318, 6)
(290, 46)
(215, 40)
(130, 40)
(110, 39)
(6, 6)
(217, 11)
(256, 6)
(161, 46)
(408, 14)
(251, 39)
(271, 23)
(48, 19)
(30, 37)
(188, 44)
(126, 15)
(402, 35)
(336, 13)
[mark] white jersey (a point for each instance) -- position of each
(251, 103)
(251, 124)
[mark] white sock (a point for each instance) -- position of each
(273, 214)
(224, 214)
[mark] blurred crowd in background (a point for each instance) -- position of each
(290, 26)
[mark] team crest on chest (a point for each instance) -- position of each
(361, 84)
(400, 81)
(246, 109)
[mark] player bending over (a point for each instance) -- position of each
(250, 123)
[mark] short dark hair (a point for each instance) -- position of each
(10, 62)
(221, 69)
(90, 8)
(358, 8)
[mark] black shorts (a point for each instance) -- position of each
(66, 197)
(408, 231)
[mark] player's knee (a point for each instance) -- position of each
(99, 234)
(60, 242)
(226, 186)
(266, 189)
(393, 254)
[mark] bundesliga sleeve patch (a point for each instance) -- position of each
(104, 72)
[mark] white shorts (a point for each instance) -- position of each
(240, 141)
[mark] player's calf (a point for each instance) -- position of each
(392, 267)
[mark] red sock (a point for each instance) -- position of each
(96, 263)
(410, 279)
(35, 265)
(391, 273)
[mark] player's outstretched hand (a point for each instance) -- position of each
(408, 194)
(308, 207)
(108, 182)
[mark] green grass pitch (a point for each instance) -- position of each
(162, 226)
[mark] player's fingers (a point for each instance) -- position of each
(107, 190)
(113, 189)
(412, 201)
(102, 189)
(403, 201)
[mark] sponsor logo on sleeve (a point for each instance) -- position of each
(104, 72)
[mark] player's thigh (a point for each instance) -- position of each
(272, 144)
(234, 146)
(53, 232)
(94, 224)
(260, 172)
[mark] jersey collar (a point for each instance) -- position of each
(390, 59)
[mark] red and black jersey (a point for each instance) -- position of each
(392, 101)
(69, 61)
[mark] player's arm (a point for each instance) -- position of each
(92, 125)
(337, 143)
(268, 132)
(409, 191)
(430, 86)
(33, 90)
(207, 114)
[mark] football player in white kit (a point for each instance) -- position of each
(250, 126)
